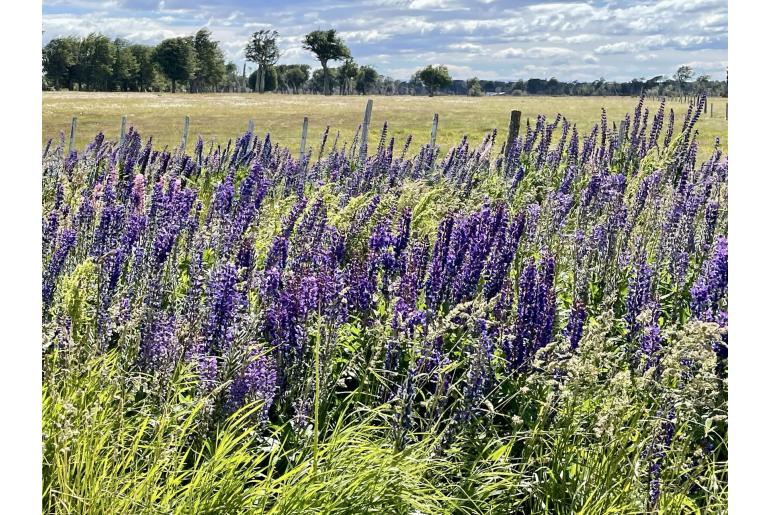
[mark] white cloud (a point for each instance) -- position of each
(617, 39)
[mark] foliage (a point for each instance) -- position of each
(327, 46)
(366, 78)
(435, 77)
(270, 79)
(176, 58)
(210, 62)
(263, 50)
(474, 87)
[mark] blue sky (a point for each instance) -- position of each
(491, 39)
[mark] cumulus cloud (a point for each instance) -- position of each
(617, 39)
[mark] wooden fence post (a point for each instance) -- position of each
(122, 128)
(712, 109)
(250, 127)
(622, 132)
(73, 127)
(365, 131)
(185, 132)
(303, 138)
(433, 131)
(513, 129)
(725, 110)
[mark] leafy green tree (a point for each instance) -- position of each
(474, 87)
(326, 46)
(317, 82)
(270, 78)
(293, 76)
(435, 77)
(176, 59)
(125, 67)
(95, 59)
(366, 79)
(146, 69)
(263, 50)
(347, 73)
(682, 75)
(210, 62)
(59, 61)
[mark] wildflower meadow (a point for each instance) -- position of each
(536, 325)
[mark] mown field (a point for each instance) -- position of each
(217, 117)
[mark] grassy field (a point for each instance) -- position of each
(218, 117)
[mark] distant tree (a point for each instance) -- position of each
(125, 66)
(366, 79)
(319, 80)
(231, 75)
(435, 77)
(682, 75)
(702, 83)
(263, 50)
(295, 76)
(270, 78)
(414, 85)
(176, 58)
(95, 59)
(326, 46)
(474, 87)
(146, 69)
(59, 61)
(210, 62)
(347, 73)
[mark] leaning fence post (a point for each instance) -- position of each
(433, 131)
(365, 130)
(513, 129)
(303, 139)
(185, 132)
(73, 127)
(122, 128)
(622, 133)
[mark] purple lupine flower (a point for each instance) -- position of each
(660, 446)
(137, 193)
(159, 348)
(223, 299)
(66, 242)
(480, 376)
(711, 285)
(486, 228)
(574, 330)
(256, 382)
(436, 272)
(669, 129)
(546, 300)
(401, 238)
(657, 124)
(70, 163)
(640, 292)
(710, 218)
(223, 197)
(503, 252)
(649, 345)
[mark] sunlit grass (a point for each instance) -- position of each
(216, 117)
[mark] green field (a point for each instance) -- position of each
(218, 117)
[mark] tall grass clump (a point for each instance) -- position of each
(540, 328)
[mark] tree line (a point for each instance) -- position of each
(197, 64)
